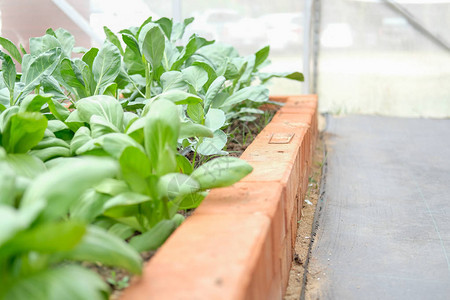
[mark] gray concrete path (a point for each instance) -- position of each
(384, 222)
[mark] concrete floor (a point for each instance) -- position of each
(384, 221)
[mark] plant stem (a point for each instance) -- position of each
(148, 81)
(166, 208)
(193, 159)
(195, 152)
(11, 98)
(17, 99)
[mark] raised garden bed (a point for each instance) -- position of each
(241, 237)
(100, 155)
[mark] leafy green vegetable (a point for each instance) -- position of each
(94, 150)
(106, 66)
(23, 131)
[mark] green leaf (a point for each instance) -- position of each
(8, 72)
(106, 66)
(172, 80)
(112, 187)
(23, 131)
(89, 57)
(153, 47)
(136, 168)
(195, 76)
(4, 99)
(192, 200)
(42, 44)
(289, 75)
(219, 54)
(51, 142)
(11, 48)
(192, 46)
(132, 56)
(116, 143)
(56, 126)
(161, 132)
(214, 145)
(137, 31)
(81, 137)
(136, 130)
(215, 119)
(12, 221)
(252, 93)
(100, 126)
(129, 118)
(246, 70)
(61, 186)
(261, 56)
(175, 96)
(178, 29)
(6, 115)
(87, 76)
(51, 152)
(113, 39)
(8, 189)
(104, 106)
(122, 231)
(22, 49)
(166, 26)
(184, 164)
(46, 238)
(74, 121)
(155, 237)
(111, 90)
(173, 185)
(99, 246)
(66, 39)
(221, 172)
(72, 76)
(171, 54)
(213, 90)
(34, 103)
(124, 205)
(66, 282)
(25, 165)
(231, 70)
(89, 207)
(189, 129)
(58, 110)
(195, 112)
(52, 86)
(209, 69)
(39, 67)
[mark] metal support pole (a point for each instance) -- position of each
(176, 10)
(417, 24)
(307, 45)
(316, 44)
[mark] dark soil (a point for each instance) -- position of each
(241, 134)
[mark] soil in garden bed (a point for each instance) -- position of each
(304, 229)
(241, 134)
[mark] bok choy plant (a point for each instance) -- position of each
(94, 147)
(155, 180)
(39, 245)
